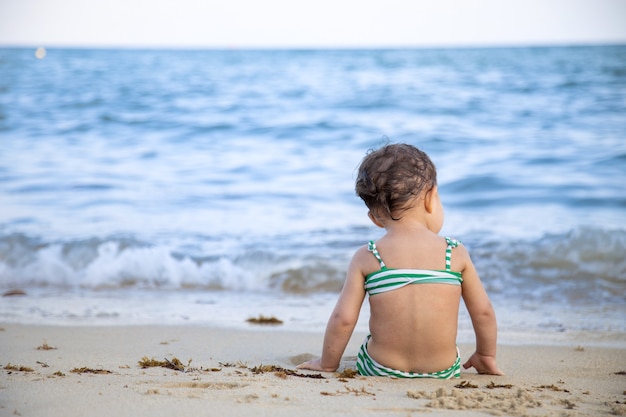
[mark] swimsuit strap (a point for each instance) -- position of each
(452, 243)
(371, 246)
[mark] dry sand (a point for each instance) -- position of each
(68, 371)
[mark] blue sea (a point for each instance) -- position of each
(206, 187)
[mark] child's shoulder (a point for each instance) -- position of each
(460, 255)
(364, 252)
(365, 260)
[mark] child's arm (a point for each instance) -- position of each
(483, 319)
(343, 319)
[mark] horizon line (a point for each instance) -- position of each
(244, 47)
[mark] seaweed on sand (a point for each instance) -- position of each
(551, 387)
(264, 320)
(348, 390)
(19, 368)
(85, 370)
(348, 373)
(465, 385)
(174, 364)
(45, 346)
(493, 385)
(282, 372)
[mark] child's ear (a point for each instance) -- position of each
(374, 219)
(429, 199)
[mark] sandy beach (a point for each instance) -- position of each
(95, 371)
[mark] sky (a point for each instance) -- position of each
(310, 24)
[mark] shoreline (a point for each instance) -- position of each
(530, 324)
(94, 370)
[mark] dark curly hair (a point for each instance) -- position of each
(391, 177)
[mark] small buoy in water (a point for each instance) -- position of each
(40, 53)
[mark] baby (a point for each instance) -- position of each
(414, 278)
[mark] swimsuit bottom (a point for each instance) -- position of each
(369, 367)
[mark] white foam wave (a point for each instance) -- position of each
(115, 264)
(583, 265)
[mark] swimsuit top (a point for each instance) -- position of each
(388, 279)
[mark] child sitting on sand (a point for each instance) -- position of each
(413, 328)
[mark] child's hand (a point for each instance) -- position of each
(483, 364)
(314, 365)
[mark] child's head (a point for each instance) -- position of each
(390, 178)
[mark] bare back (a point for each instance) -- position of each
(413, 327)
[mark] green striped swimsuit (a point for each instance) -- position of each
(389, 279)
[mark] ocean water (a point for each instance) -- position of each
(207, 187)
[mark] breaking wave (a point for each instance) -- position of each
(583, 265)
